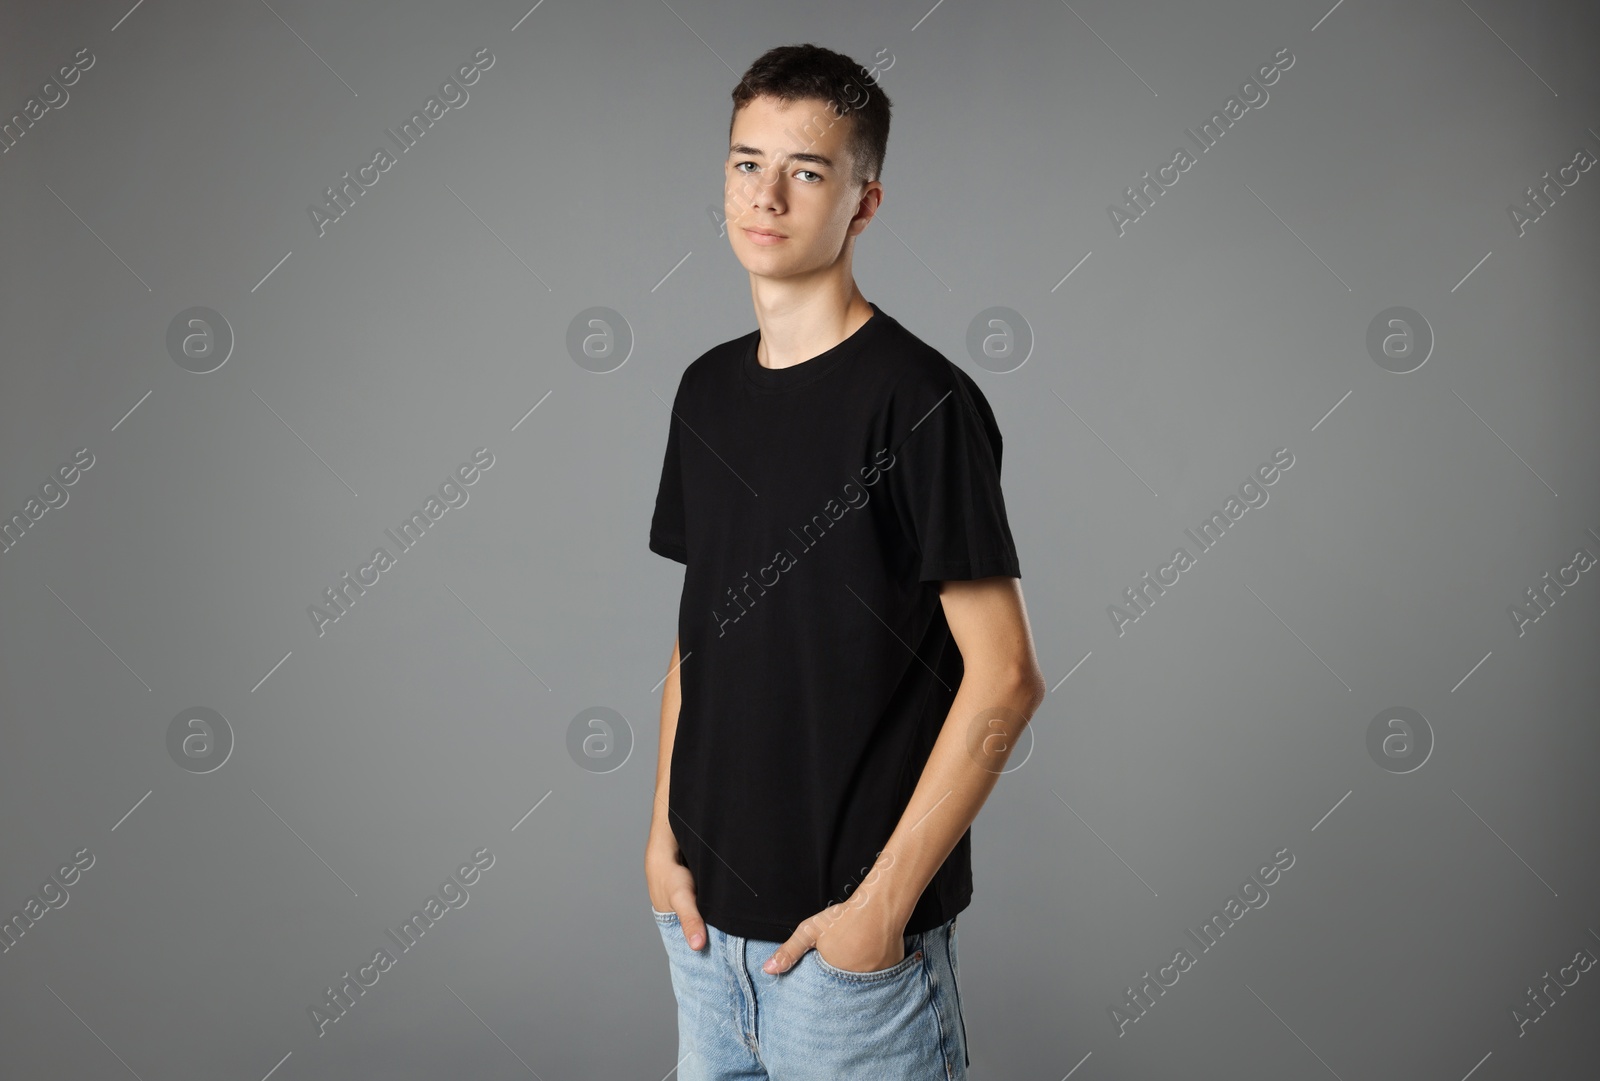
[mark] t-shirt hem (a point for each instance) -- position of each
(769, 931)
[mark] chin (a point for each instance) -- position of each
(758, 261)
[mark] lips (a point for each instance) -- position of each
(765, 233)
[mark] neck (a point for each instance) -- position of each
(795, 328)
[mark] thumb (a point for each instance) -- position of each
(693, 927)
(784, 957)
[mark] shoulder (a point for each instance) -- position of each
(716, 363)
(922, 380)
(919, 373)
(915, 366)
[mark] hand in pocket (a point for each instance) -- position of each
(671, 887)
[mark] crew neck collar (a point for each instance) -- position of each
(807, 371)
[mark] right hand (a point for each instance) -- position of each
(671, 887)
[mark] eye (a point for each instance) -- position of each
(817, 175)
(737, 165)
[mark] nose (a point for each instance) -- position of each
(757, 193)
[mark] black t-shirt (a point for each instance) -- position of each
(816, 508)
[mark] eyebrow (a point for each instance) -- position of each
(750, 151)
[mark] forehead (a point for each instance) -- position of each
(796, 128)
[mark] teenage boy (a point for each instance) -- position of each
(853, 660)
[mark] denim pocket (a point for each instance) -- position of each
(664, 917)
(906, 964)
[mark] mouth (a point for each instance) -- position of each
(761, 236)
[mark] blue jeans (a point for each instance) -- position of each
(815, 1022)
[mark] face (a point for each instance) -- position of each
(789, 173)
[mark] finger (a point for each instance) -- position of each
(693, 927)
(784, 957)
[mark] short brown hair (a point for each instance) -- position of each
(791, 73)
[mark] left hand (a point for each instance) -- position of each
(859, 937)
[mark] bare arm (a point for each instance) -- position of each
(670, 883)
(1001, 687)
(661, 835)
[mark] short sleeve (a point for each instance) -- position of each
(667, 525)
(945, 481)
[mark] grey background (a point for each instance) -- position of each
(433, 719)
